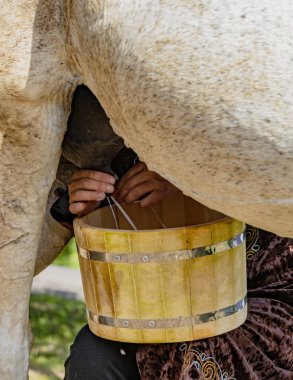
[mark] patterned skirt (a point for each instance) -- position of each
(260, 349)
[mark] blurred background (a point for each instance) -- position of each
(57, 313)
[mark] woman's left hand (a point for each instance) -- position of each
(139, 183)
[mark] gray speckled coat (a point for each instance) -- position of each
(201, 90)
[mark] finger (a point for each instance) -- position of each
(138, 179)
(152, 198)
(141, 190)
(135, 180)
(95, 175)
(90, 184)
(130, 173)
(157, 185)
(82, 208)
(86, 196)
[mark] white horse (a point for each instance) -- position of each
(202, 90)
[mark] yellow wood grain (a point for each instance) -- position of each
(163, 290)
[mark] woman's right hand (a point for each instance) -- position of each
(87, 189)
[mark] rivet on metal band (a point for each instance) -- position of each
(164, 323)
(136, 258)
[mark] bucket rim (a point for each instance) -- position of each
(81, 223)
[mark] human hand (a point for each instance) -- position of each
(140, 182)
(87, 188)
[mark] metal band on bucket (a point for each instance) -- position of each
(164, 323)
(136, 258)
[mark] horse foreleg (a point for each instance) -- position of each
(53, 236)
(31, 135)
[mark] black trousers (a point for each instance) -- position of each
(94, 358)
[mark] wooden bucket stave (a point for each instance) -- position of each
(163, 285)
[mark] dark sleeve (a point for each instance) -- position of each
(60, 210)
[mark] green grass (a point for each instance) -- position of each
(68, 257)
(55, 321)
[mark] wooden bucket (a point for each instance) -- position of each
(155, 285)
